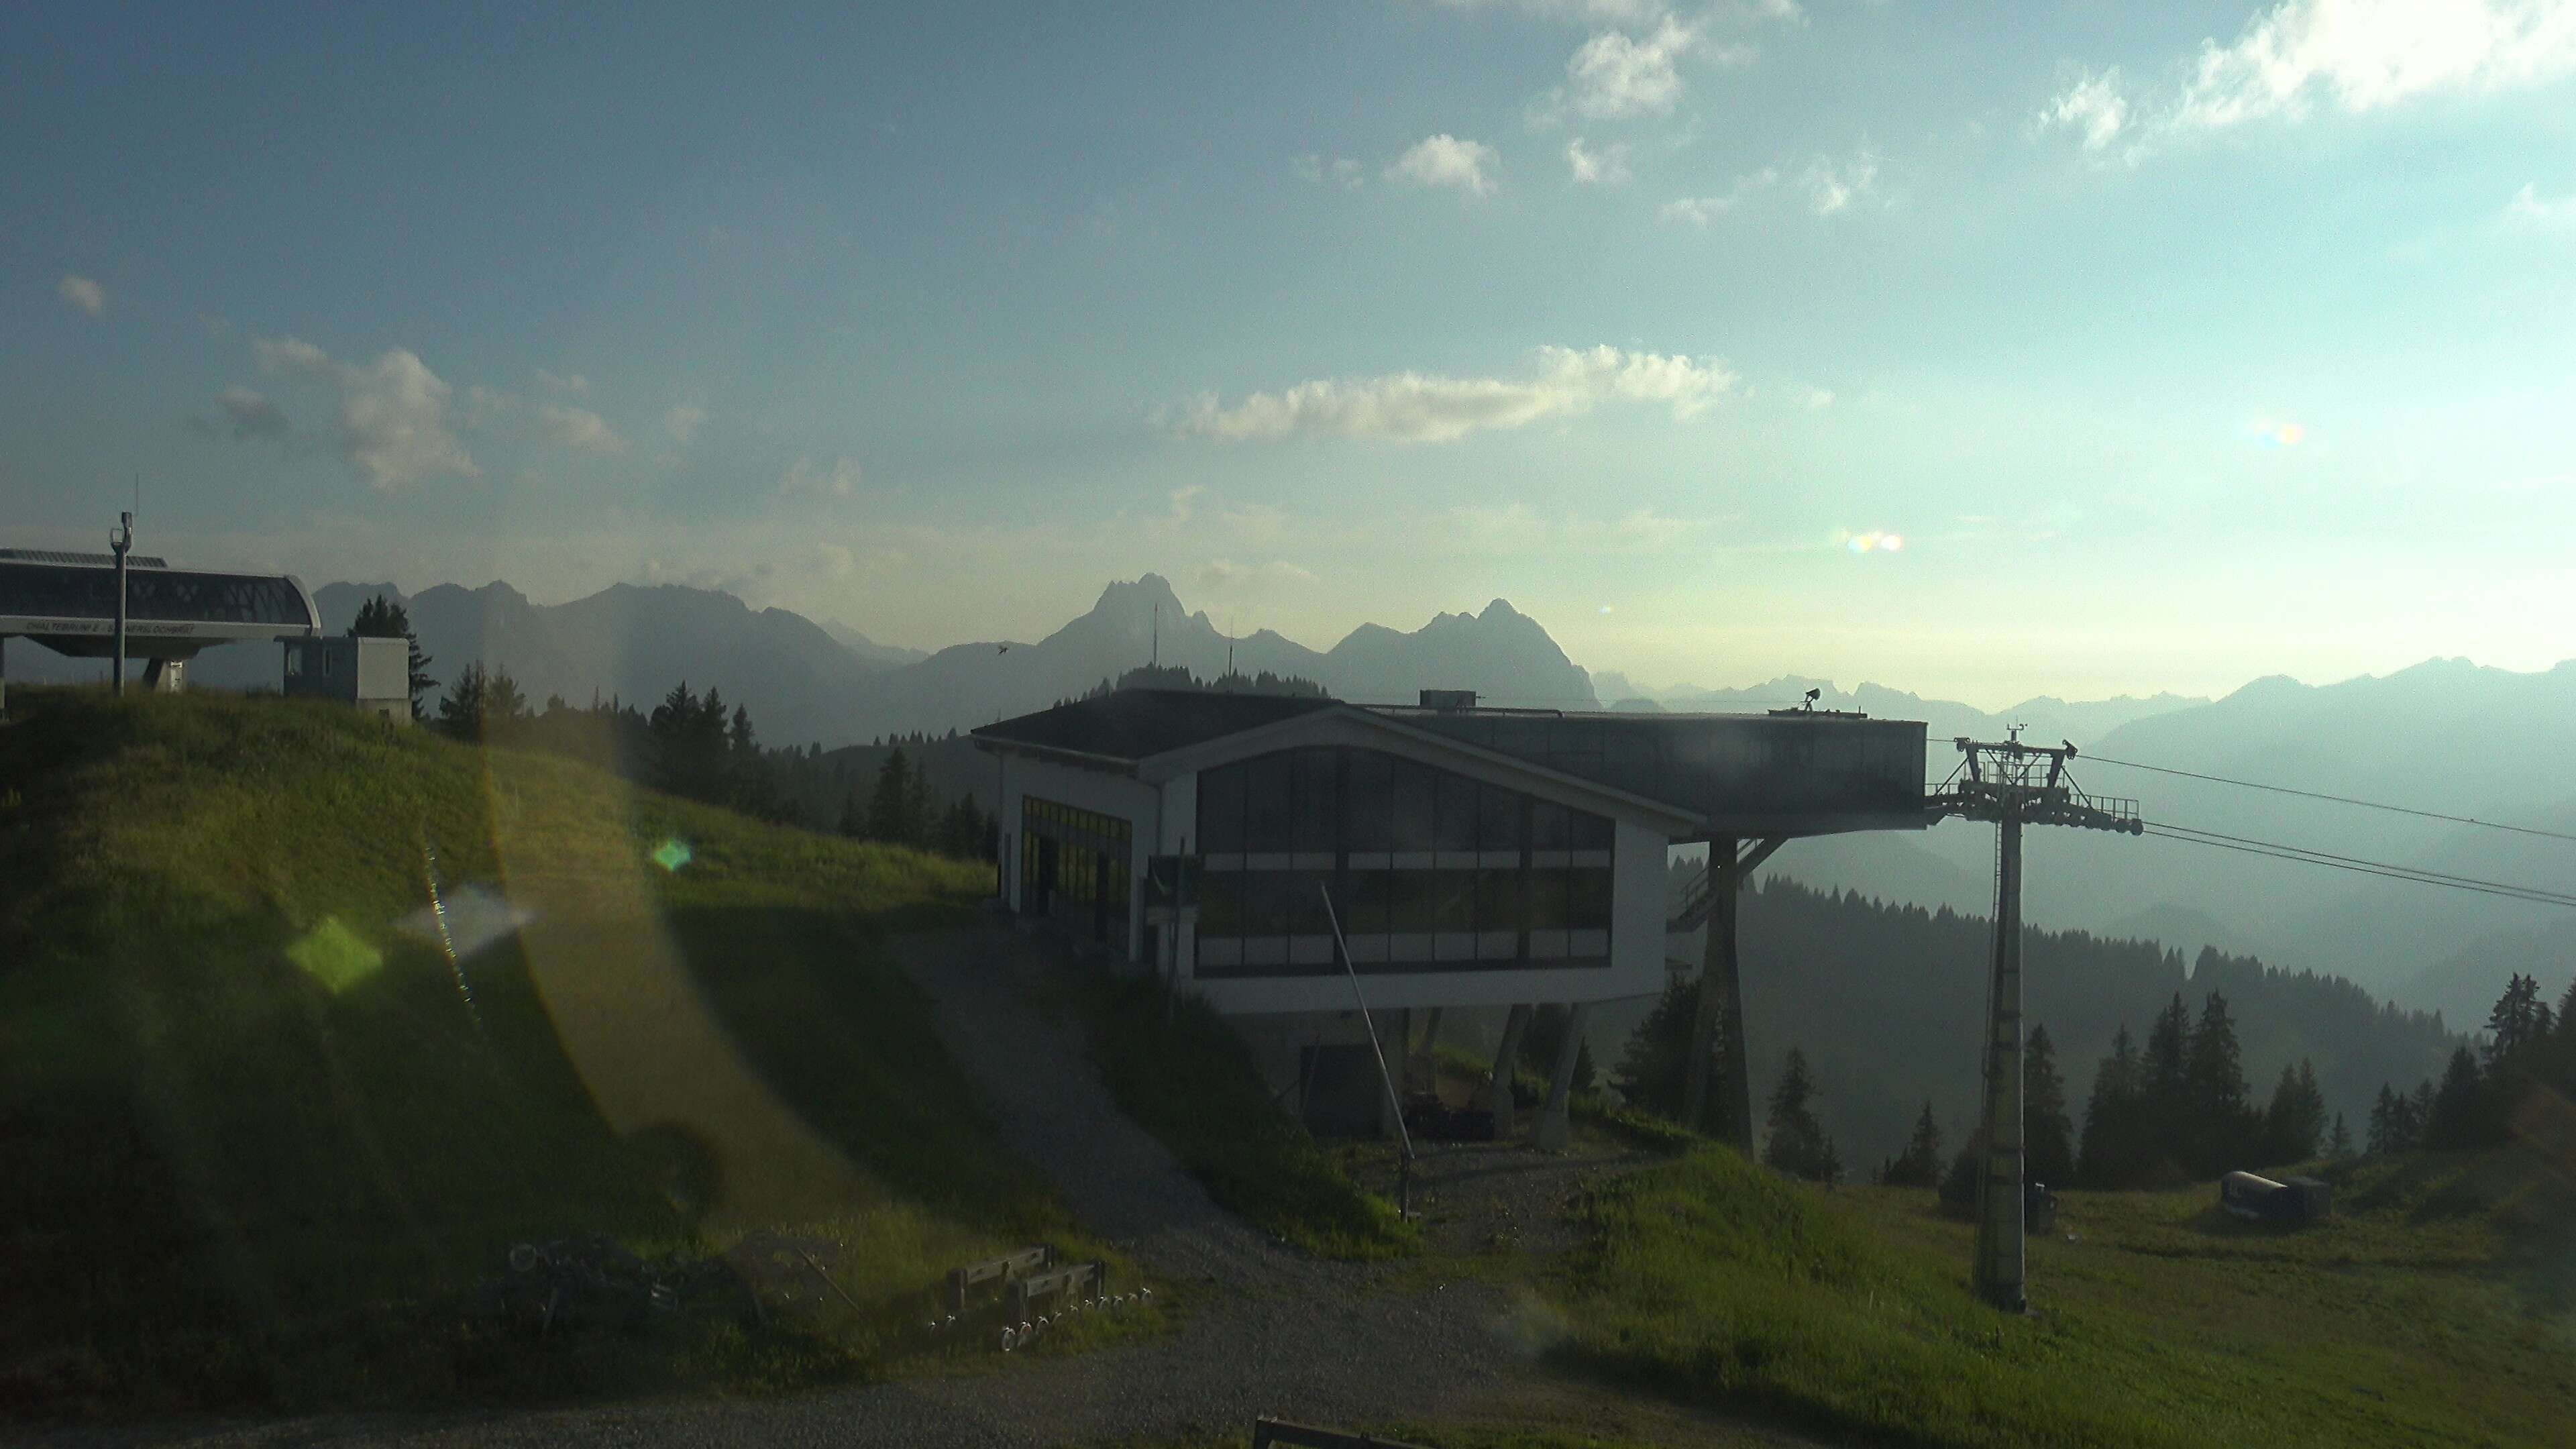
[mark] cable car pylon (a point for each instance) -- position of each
(2012, 784)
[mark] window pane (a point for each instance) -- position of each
(1221, 810)
(1550, 828)
(1267, 782)
(1547, 903)
(1498, 900)
(1457, 827)
(1498, 818)
(1371, 894)
(1318, 799)
(1417, 799)
(1368, 805)
(1592, 832)
(1221, 903)
(1588, 900)
(1413, 901)
(1454, 908)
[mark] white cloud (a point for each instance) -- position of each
(1615, 12)
(2094, 108)
(579, 429)
(838, 481)
(1412, 407)
(395, 422)
(1225, 573)
(2356, 55)
(1445, 160)
(2529, 205)
(1834, 183)
(683, 420)
(248, 416)
(1819, 399)
(83, 293)
(563, 381)
(1605, 167)
(1615, 74)
(1171, 523)
(1700, 210)
(1314, 170)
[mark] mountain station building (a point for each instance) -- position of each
(1468, 858)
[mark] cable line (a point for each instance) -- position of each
(2275, 851)
(2337, 799)
(2327, 855)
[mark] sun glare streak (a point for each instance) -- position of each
(1874, 541)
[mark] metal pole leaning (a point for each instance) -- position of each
(1404, 1134)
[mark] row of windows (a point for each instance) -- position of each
(1350, 800)
(1089, 829)
(1504, 900)
(1247, 956)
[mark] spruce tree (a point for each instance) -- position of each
(2219, 1127)
(2110, 1157)
(2048, 1136)
(1920, 1164)
(1798, 1145)
(2164, 1117)
(2385, 1116)
(2339, 1146)
(2456, 1118)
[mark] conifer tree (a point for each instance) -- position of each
(1798, 1145)
(2048, 1136)
(2220, 1122)
(1920, 1164)
(2110, 1118)
(2339, 1146)
(2456, 1118)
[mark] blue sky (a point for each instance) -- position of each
(2177, 344)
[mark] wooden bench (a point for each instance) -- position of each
(1009, 1269)
(1072, 1283)
(1268, 1432)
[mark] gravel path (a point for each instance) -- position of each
(1035, 1068)
(1276, 1331)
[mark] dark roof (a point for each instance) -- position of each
(62, 556)
(31, 589)
(1134, 724)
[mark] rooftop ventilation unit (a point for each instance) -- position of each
(1448, 699)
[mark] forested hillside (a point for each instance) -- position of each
(1886, 1003)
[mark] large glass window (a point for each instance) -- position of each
(1456, 826)
(1434, 869)
(1368, 813)
(1221, 810)
(1417, 803)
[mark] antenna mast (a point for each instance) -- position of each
(122, 542)
(2012, 784)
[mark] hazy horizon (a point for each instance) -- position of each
(2176, 347)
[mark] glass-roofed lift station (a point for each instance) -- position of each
(1299, 855)
(66, 601)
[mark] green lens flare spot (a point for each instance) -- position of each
(672, 854)
(332, 954)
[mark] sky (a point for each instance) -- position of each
(1983, 351)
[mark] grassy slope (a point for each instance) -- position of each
(2409, 1319)
(1184, 1076)
(259, 1140)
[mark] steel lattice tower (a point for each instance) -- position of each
(2013, 784)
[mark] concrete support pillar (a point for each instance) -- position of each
(1430, 1038)
(1554, 1128)
(1497, 1091)
(1395, 1030)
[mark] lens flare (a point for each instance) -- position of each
(2280, 435)
(1876, 540)
(672, 854)
(334, 955)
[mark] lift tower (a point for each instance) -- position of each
(2012, 784)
